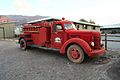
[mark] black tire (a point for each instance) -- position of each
(23, 44)
(75, 54)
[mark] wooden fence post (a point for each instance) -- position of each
(3, 32)
(105, 41)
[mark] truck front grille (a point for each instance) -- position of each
(97, 43)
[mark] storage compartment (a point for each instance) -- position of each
(41, 37)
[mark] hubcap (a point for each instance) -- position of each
(74, 53)
(22, 44)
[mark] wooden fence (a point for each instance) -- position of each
(110, 38)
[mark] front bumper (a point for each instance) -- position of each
(95, 53)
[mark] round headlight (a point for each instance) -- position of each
(101, 42)
(92, 43)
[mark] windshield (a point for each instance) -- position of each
(69, 26)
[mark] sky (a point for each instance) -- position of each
(103, 12)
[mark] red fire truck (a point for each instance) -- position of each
(62, 36)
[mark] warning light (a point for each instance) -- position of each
(63, 19)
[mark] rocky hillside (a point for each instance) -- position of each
(20, 19)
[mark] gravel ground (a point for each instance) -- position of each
(39, 64)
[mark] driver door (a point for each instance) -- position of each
(57, 36)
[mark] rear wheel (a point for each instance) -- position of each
(75, 54)
(23, 44)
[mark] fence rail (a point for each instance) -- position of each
(110, 35)
(112, 40)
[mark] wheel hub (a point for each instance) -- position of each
(22, 44)
(75, 53)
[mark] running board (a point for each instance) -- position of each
(45, 48)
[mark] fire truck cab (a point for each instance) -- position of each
(62, 36)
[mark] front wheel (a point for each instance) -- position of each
(23, 44)
(75, 54)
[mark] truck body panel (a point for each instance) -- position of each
(41, 37)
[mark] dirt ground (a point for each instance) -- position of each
(39, 64)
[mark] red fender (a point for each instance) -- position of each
(85, 46)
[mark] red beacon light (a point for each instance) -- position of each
(63, 19)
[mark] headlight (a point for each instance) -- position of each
(92, 43)
(101, 42)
